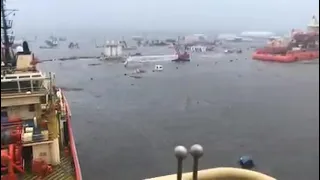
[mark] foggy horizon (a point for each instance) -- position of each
(164, 16)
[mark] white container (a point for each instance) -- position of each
(114, 52)
(119, 49)
(29, 130)
(45, 134)
(27, 137)
(107, 51)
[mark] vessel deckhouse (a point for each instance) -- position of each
(313, 26)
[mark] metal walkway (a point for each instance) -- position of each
(63, 171)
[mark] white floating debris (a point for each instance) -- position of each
(227, 51)
(158, 68)
(137, 71)
(125, 63)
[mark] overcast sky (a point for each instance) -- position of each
(164, 14)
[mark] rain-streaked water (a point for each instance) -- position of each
(126, 128)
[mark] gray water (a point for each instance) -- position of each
(126, 128)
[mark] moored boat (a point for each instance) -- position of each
(36, 133)
(301, 46)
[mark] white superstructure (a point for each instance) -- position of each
(313, 26)
(113, 51)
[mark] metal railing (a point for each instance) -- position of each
(24, 90)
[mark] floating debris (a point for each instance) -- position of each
(71, 58)
(136, 54)
(73, 45)
(47, 47)
(71, 89)
(138, 71)
(94, 64)
(227, 51)
(135, 76)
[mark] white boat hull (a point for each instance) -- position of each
(152, 58)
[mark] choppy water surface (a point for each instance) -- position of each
(126, 128)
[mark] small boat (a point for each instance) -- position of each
(158, 67)
(220, 173)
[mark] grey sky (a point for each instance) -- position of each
(164, 14)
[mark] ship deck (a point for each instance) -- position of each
(63, 171)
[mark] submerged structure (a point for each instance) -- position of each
(113, 51)
(181, 55)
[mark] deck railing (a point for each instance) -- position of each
(72, 142)
(24, 90)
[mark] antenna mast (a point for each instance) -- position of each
(6, 26)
